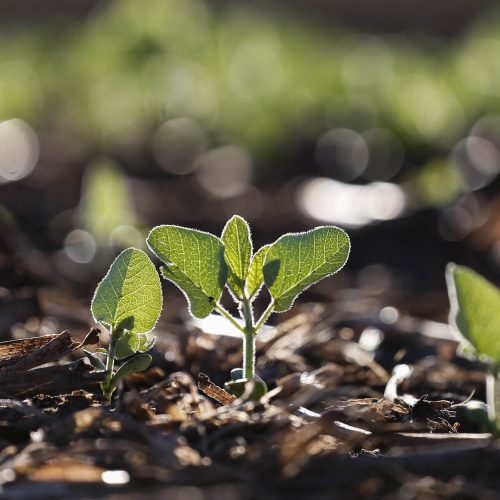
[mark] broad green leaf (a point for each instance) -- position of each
(296, 261)
(136, 364)
(129, 297)
(238, 382)
(194, 262)
(95, 360)
(255, 277)
(475, 310)
(127, 344)
(200, 303)
(237, 253)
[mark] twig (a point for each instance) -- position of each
(214, 391)
(55, 379)
(21, 355)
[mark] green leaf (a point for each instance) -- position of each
(255, 277)
(237, 253)
(237, 385)
(95, 360)
(136, 364)
(194, 262)
(200, 303)
(129, 297)
(127, 344)
(475, 310)
(298, 260)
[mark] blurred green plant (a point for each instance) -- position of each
(475, 314)
(263, 83)
(438, 183)
(106, 208)
(121, 72)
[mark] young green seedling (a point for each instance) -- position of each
(128, 302)
(202, 265)
(475, 314)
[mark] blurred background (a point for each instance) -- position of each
(382, 118)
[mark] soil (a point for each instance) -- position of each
(364, 401)
(368, 397)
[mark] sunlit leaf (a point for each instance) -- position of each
(129, 297)
(255, 277)
(296, 261)
(200, 303)
(127, 344)
(475, 310)
(194, 262)
(237, 253)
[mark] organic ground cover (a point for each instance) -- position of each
(363, 399)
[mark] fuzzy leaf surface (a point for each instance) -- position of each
(127, 344)
(298, 260)
(255, 277)
(475, 310)
(129, 296)
(237, 253)
(200, 303)
(194, 262)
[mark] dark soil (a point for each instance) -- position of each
(335, 423)
(367, 395)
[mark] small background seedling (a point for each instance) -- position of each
(202, 265)
(475, 314)
(128, 302)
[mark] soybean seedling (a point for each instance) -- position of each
(202, 265)
(128, 302)
(475, 314)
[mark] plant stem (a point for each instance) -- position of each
(265, 315)
(226, 315)
(249, 331)
(249, 343)
(249, 356)
(110, 363)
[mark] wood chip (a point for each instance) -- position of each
(214, 391)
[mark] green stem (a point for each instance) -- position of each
(249, 356)
(110, 363)
(249, 330)
(265, 316)
(249, 343)
(226, 315)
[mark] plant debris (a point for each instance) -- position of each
(328, 423)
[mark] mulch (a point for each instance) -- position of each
(363, 402)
